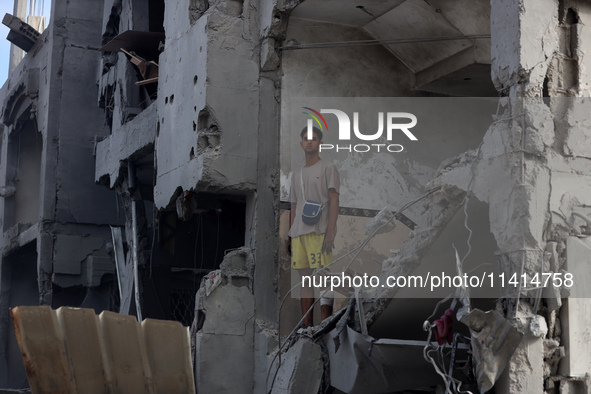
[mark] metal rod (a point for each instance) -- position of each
(119, 262)
(136, 277)
(337, 44)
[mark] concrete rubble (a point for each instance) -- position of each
(146, 149)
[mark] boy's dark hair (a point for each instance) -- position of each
(314, 129)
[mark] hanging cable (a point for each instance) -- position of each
(450, 382)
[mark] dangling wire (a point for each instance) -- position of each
(451, 383)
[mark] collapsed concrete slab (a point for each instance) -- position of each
(440, 206)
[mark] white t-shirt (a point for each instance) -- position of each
(317, 179)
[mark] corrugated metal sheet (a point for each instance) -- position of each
(72, 350)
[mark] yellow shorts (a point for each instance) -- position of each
(306, 252)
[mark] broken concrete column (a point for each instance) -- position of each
(301, 369)
(523, 33)
(225, 343)
(535, 52)
(226, 340)
(524, 373)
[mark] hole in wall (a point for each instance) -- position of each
(195, 80)
(189, 249)
(156, 15)
(234, 7)
(545, 91)
(203, 121)
(216, 224)
(202, 143)
(171, 98)
(112, 26)
(571, 17)
(196, 9)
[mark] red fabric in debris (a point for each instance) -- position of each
(442, 327)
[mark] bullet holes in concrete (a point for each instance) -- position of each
(209, 136)
(204, 121)
(208, 142)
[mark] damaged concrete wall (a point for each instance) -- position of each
(210, 144)
(227, 306)
(128, 141)
(528, 173)
(546, 177)
(76, 30)
(54, 87)
(211, 132)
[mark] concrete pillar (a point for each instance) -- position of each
(16, 54)
(535, 49)
(523, 40)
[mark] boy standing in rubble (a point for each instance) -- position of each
(312, 233)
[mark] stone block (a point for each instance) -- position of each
(228, 310)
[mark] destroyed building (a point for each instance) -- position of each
(146, 148)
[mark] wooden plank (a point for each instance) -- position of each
(168, 350)
(72, 350)
(80, 332)
(44, 353)
(123, 353)
(147, 81)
